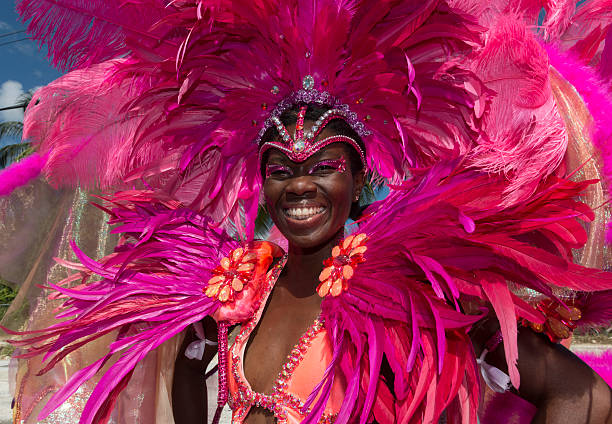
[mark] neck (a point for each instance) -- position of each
(304, 266)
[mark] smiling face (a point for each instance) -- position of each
(310, 201)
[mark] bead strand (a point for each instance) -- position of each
(222, 360)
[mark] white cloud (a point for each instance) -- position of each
(10, 91)
(4, 26)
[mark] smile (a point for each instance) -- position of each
(302, 213)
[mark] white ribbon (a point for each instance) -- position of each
(495, 378)
(196, 349)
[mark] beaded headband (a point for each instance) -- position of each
(302, 144)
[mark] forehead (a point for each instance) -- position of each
(333, 151)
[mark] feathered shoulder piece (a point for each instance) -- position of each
(172, 269)
(394, 286)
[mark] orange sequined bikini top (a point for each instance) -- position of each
(302, 371)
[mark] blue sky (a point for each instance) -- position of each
(24, 66)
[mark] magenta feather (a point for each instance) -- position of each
(20, 173)
(596, 308)
(152, 287)
(456, 219)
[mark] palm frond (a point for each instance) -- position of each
(14, 152)
(11, 129)
(371, 187)
(263, 223)
(25, 98)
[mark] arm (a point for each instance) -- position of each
(562, 387)
(189, 401)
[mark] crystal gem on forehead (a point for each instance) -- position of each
(308, 82)
(299, 145)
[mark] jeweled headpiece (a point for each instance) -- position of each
(304, 144)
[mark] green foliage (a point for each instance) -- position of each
(7, 294)
(6, 350)
(18, 150)
(13, 152)
(263, 223)
(11, 129)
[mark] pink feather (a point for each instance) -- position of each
(20, 173)
(80, 33)
(190, 133)
(525, 137)
(152, 288)
(426, 218)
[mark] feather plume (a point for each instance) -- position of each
(525, 137)
(596, 308)
(78, 123)
(80, 33)
(190, 132)
(20, 173)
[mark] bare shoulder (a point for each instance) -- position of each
(562, 387)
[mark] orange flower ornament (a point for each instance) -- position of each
(341, 266)
(238, 280)
(230, 277)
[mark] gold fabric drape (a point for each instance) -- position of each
(36, 226)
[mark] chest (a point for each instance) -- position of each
(280, 329)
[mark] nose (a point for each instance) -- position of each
(301, 186)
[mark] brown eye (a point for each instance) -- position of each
(323, 169)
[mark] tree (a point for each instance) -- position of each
(12, 152)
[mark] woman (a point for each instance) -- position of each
(309, 202)
(183, 110)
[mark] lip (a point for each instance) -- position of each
(312, 221)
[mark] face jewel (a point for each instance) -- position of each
(299, 145)
(275, 89)
(308, 82)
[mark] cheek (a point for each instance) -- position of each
(341, 194)
(271, 193)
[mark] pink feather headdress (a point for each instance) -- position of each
(197, 84)
(177, 94)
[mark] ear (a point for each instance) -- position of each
(358, 182)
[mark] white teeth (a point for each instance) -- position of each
(303, 213)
